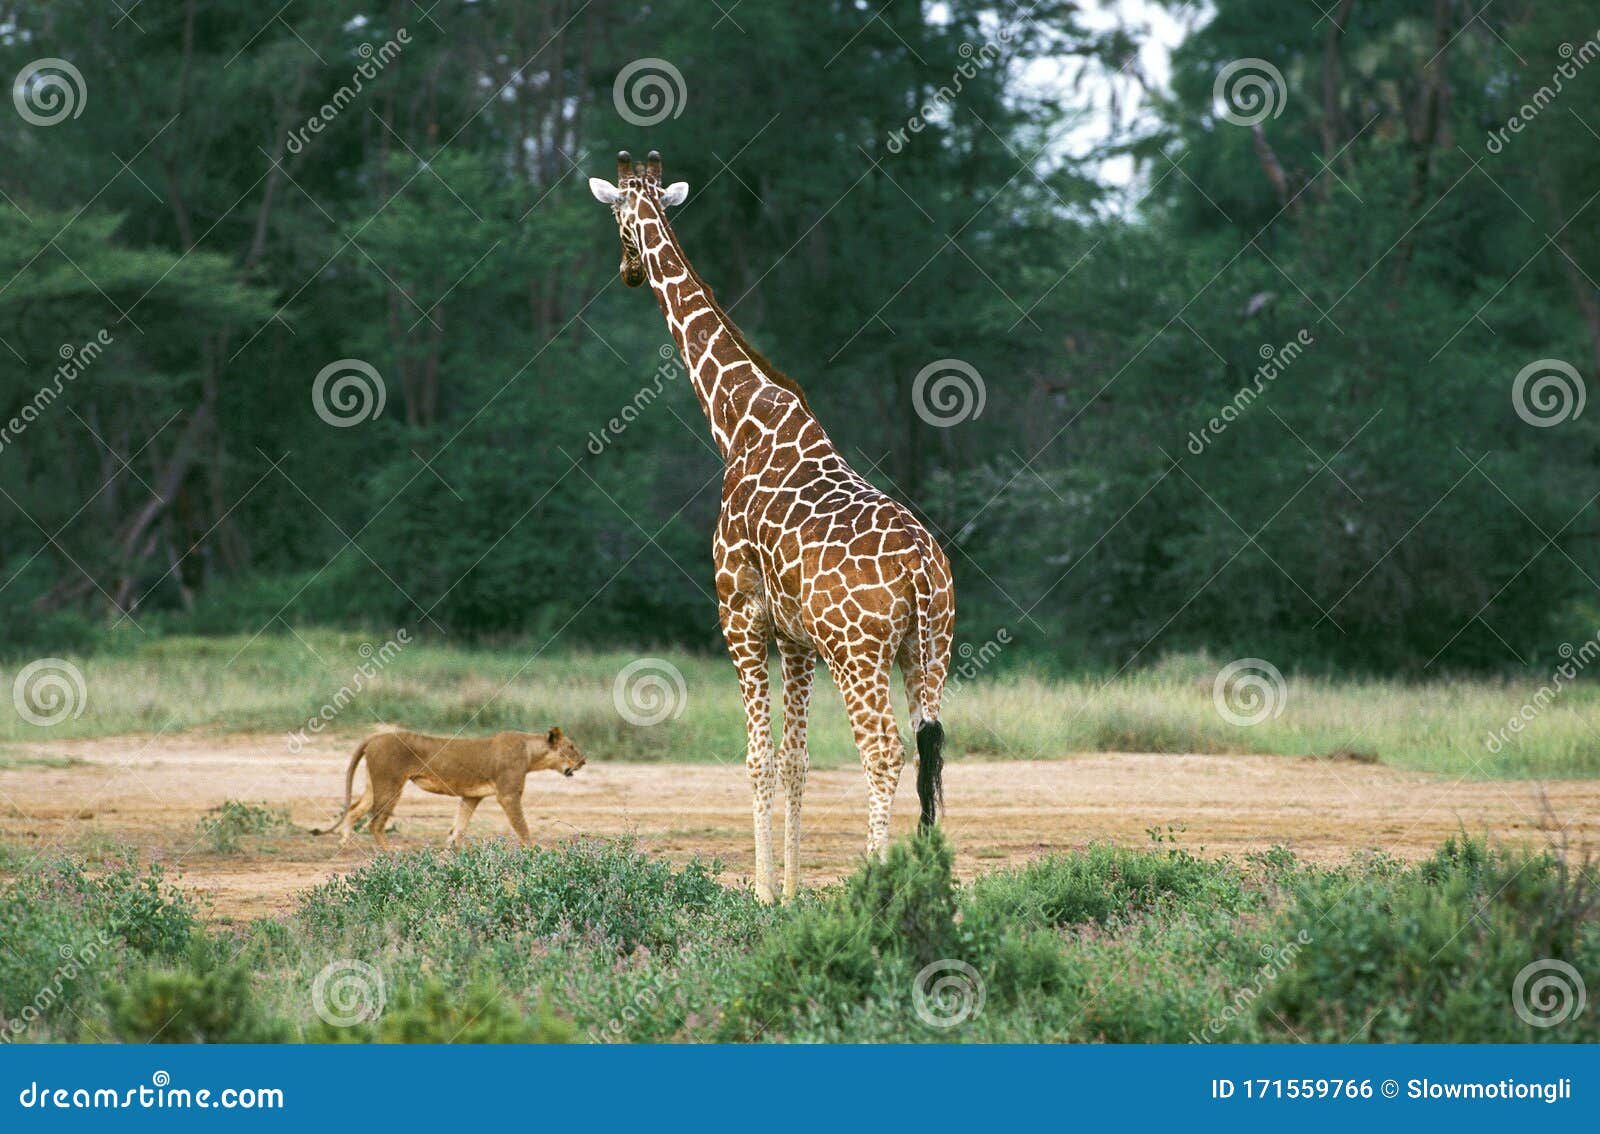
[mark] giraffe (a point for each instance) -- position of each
(807, 553)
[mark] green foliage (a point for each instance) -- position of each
(1433, 955)
(66, 930)
(594, 940)
(1100, 884)
(225, 828)
(607, 894)
(432, 1012)
(208, 1000)
(1376, 504)
(858, 954)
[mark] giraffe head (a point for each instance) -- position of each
(637, 185)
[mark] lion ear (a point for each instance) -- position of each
(554, 736)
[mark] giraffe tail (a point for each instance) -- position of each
(930, 733)
(930, 772)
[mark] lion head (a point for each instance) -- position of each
(560, 754)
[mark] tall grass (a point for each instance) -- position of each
(276, 683)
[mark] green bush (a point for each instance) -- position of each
(1099, 884)
(205, 1000)
(433, 1012)
(65, 930)
(607, 893)
(596, 939)
(853, 960)
(226, 827)
(1434, 955)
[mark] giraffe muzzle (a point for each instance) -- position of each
(632, 272)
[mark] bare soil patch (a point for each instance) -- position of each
(151, 793)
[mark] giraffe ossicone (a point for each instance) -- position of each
(807, 553)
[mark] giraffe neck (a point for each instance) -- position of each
(726, 371)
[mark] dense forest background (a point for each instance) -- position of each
(1365, 228)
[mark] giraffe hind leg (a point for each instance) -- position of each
(929, 735)
(794, 760)
(865, 685)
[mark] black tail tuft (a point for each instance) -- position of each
(930, 771)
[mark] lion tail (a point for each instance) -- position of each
(349, 785)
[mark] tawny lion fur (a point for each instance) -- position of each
(470, 768)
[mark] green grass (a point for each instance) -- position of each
(277, 683)
(594, 940)
(12, 759)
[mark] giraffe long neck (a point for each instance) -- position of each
(726, 371)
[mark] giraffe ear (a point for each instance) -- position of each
(675, 194)
(604, 192)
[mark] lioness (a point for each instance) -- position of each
(469, 767)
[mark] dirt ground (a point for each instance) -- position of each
(87, 796)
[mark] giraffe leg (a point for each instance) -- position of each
(799, 667)
(866, 699)
(747, 646)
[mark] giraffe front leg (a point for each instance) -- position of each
(747, 646)
(799, 667)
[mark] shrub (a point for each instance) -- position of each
(204, 1001)
(226, 827)
(608, 892)
(839, 963)
(64, 931)
(433, 1012)
(1434, 955)
(1099, 884)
